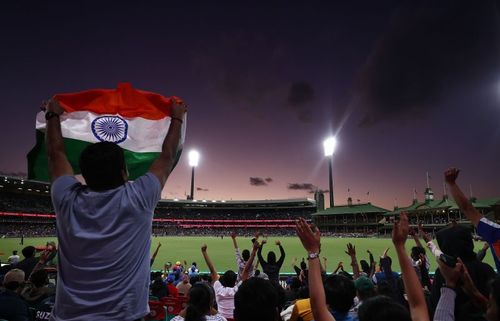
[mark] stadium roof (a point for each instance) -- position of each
(228, 204)
(362, 208)
(444, 203)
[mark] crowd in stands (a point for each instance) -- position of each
(463, 287)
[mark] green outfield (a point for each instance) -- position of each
(221, 250)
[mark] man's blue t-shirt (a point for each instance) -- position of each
(104, 243)
(490, 232)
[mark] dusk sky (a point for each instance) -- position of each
(408, 87)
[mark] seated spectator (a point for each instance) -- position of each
(387, 280)
(256, 299)
(37, 289)
(158, 288)
(365, 289)
(172, 289)
(12, 306)
(200, 305)
(29, 262)
(13, 259)
(184, 285)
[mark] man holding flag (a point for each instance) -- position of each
(104, 227)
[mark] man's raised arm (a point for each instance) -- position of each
(58, 162)
(162, 166)
(462, 201)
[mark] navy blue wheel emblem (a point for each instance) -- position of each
(110, 129)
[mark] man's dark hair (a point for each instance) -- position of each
(340, 293)
(271, 257)
(39, 278)
(200, 302)
(256, 299)
(28, 251)
(228, 279)
(245, 254)
(102, 166)
(14, 252)
(365, 267)
(416, 251)
(382, 308)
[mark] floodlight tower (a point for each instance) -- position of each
(329, 145)
(194, 159)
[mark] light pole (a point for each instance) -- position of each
(329, 148)
(194, 158)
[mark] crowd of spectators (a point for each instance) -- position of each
(463, 287)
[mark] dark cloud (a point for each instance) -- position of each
(300, 95)
(301, 186)
(257, 181)
(268, 179)
(430, 48)
(201, 189)
(322, 191)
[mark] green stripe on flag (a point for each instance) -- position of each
(38, 169)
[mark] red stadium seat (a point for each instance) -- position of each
(157, 311)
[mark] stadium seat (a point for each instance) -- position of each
(173, 306)
(157, 311)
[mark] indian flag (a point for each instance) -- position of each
(136, 120)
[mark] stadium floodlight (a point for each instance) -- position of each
(194, 159)
(329, 145)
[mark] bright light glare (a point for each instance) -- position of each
(194, 158)
(329, 146)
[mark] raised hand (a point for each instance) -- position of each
(52, 105)
(204, 248)
(310, 237)
(450, 275)
(400, 230)
(451, 175)
(178, 109)
(351, 250)
(277, 242)
(233, 235)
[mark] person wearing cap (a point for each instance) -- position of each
(364, 289)
(172, 290)
(97, 280)
(12, 306)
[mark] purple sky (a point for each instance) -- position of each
(407, 86)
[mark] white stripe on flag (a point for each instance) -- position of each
(143, 135)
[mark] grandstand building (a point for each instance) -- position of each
(26, 209)
(350, 220)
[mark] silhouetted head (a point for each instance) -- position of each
(340, 293)
(256, 299)
(39, 278)
(416, 251)
(103, 166)
(28, 251)
(271, 257)
(14, 252)
(228, 279)
(303, 265)
(382, 308)
(245, 255)
(365, 267)
(457, 241)
(200, 302)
